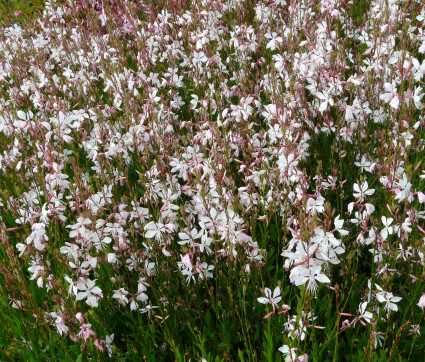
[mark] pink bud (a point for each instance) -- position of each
(79, 316)
(166, 252)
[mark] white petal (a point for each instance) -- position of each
(322, 278)
(380, 298)
(393, 307)
(320, 95)
(263, 300)
(81, 296)
(323, 106)
(395, 102)
(300, 280)
(150, 234)
(22, 115)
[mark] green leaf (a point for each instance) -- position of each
(240, 354)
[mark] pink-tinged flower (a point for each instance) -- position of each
(17, 304)
(186, 236)
(269, 298)
(99, 344)
(86, 331)
(315, 206)
(25, 119)
(421, 197)
(60, 325)
(421, 303)
(415, 329)
(370, 209)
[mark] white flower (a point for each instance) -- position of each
(362, 190)
(403, 191)
(89, 291)
(299, 330)
(17, 304)
(154, 230)
(364, 164)
(378, 338)
(367, 316)
(327, 100)
(199, 58)
(148, 309)
(186, 236)
(389, 299)
(417, 98)
(25, 117)
(109, 340)
(121, 296)
(60, 324)
(311, 275)
(329, 183)
(273, 299)
(38, 236)
(339, 223)
(421, 303)
(289, 352)
(322, 237)
(274, 39)
(359, 217)
(387, 230)
(391, 96)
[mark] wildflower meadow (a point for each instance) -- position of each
(212, 180)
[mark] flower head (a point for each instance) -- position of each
(269, 298)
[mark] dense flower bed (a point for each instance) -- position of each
(213, 179)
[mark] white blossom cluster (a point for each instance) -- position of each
(158, 145)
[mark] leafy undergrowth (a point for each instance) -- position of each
(212, 180)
